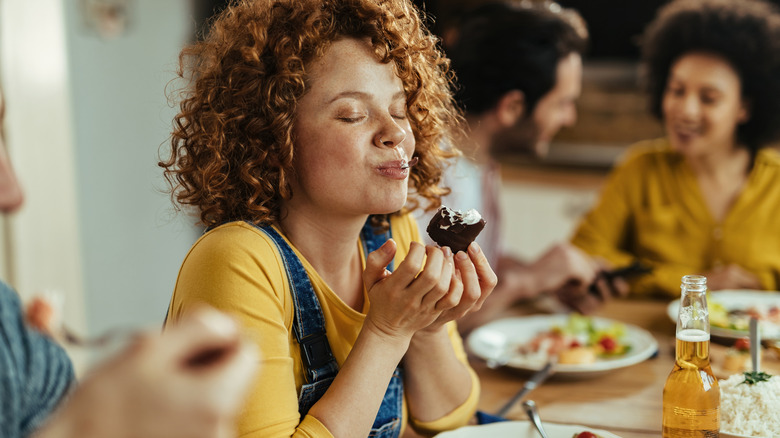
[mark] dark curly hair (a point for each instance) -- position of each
(232, 146)
(746, 33)
(504, 46)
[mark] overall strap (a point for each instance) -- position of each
(308, 321)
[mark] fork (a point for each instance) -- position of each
(529, 406)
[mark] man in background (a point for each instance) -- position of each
(519, 72)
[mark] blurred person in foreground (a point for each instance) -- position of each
(519, 71)
(706, 198)
(187, 383)
(304, 128)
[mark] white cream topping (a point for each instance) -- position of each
(470, 217)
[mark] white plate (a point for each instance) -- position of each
(521, 429)
(733, 299)
(492, 340)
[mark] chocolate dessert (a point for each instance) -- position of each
(455, 228)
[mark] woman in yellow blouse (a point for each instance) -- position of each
(705, 199)
(304, 125)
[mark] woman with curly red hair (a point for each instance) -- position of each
(304, 125)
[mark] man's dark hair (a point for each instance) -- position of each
(502, 47)
(746, 33)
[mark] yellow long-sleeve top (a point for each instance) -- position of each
(236, 268)
(652, 210)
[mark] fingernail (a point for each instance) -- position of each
(387, 247)
(461, 256)
(447, 251)
(474, 248)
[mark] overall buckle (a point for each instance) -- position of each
(316, 350)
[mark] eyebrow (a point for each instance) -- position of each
(363, 95)
(706, 88)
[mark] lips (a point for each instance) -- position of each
(685, 133)
(395, 169)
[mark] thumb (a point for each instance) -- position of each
(376, 264)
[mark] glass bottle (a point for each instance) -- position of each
(691, 400)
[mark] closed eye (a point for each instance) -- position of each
(351, 119)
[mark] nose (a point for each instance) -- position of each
(390, 134)
(689, 105)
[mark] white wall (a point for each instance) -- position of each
(42, 242)
(131, 244)
(536, 216)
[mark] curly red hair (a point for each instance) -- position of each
(232, 146)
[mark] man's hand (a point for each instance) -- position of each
(187, 383)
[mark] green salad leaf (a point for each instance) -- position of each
(753, 377)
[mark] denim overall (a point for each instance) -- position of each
(35, 372)
(309, 329)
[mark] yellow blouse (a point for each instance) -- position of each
(651, 210)
(236, 268)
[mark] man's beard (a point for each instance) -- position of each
(522, 138)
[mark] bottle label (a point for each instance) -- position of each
(690, 423)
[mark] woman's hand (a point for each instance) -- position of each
(408, 299)
(428, 289)
(732, 277)
(472, 283)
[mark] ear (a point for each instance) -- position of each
(510, 108)
(745, 111)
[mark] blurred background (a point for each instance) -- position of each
(86, 85)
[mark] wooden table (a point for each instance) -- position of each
(626, 402)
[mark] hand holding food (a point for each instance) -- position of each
(414, 295)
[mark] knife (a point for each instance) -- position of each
(536, 379)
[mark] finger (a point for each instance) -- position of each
(428, 279)
(412, 264)
(201, 341)
(577, 299)
(486, 277)
(455, 303)
(233, 379)
(621, 287)
(445, 280)
(586, 304)
(472, 289)
(603, 288)
(376, 264)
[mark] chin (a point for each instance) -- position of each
(542, 148)
(390, 204)
(684, 148)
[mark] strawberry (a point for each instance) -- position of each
(742, 344)
(608, 343)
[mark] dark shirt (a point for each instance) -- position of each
(35, 372)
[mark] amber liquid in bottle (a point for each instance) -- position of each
(691, 398)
